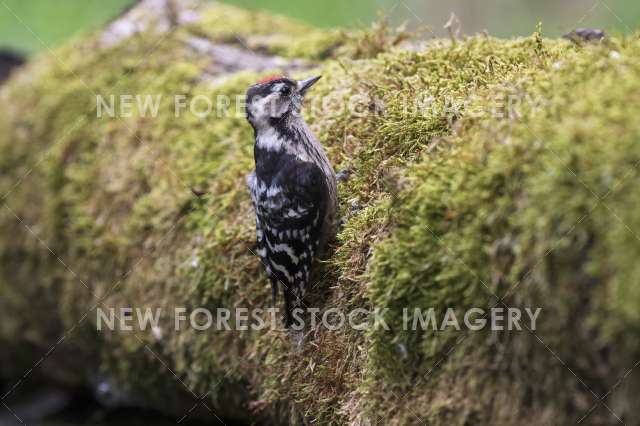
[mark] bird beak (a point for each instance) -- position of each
(305, 85)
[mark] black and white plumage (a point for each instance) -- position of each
(293, 188)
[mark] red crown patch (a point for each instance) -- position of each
(269, 79)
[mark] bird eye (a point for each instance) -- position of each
(286, 91)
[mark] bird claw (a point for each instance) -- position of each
(343, 175)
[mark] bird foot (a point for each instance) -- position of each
(343, 175)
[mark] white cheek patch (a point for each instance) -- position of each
(263, 107)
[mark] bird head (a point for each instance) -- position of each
(276, 98)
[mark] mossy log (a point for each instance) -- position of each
(479, 202)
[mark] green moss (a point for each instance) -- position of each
(265, 32)
(515, 203)
(445, 207)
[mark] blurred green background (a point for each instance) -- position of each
(30, 25)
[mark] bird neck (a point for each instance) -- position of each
(282, 135)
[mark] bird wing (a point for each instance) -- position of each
(291, 215)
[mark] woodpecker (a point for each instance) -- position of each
(293, 188)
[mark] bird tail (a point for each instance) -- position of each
(292, 301)
(288, 307)
(274, 291)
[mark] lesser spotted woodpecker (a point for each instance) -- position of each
(293, 187)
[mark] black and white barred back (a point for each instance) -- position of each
(293, 188)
